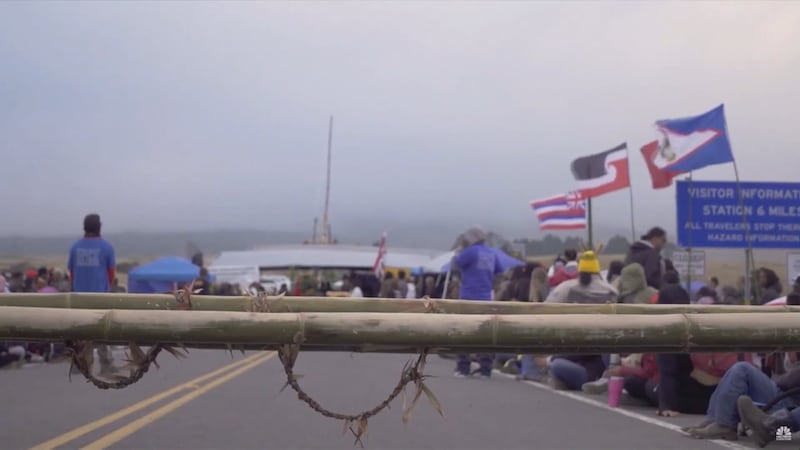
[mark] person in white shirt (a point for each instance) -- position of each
(412, 289)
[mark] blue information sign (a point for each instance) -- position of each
(711, 214)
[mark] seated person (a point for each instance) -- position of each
(687, 382)
(706, 296)
(11, 352)
(763, 426)
(640, 373)
(568, 270)
(571, 372)
(722, 416)
(589, 287)
(632, 285)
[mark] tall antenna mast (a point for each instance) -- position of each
(325, 227)
(314, 231)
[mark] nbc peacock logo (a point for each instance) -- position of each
(783, 434)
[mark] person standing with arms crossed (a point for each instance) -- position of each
(479, 265)
(92, 268)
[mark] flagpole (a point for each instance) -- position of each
(689, 243)
(749, 262)
(633, 224)
(447, 281)
(589, 222)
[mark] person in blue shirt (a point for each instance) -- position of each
(91, 259)
(92, 269)
(479, 265)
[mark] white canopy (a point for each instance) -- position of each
(323, 257)
(435, 265)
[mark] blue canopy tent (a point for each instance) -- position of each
(417, 271)
(160, 275)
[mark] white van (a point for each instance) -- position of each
(272, 283)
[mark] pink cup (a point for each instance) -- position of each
(615, 385)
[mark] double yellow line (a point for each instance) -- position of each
(121, 433)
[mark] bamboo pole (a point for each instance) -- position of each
(352, 305)
(376, 332)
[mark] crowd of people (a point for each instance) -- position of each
(43, 280)
(728, 388)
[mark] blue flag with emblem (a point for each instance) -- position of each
(692, 143)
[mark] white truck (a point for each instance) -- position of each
(272, 283)
(243, 276)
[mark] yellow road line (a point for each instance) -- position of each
(127, 430)
(111, 418)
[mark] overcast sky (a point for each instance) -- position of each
(214, 115)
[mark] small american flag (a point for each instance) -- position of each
(380, 258)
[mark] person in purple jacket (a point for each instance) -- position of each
(479, 265)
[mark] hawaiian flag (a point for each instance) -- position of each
(563, 212)
(380, 259)
(603, 172)
(687, 144)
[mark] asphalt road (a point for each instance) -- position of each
(242, 407)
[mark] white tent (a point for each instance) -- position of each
(323, 257)
(435, 265)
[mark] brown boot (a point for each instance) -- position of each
(763, 426)
(715, 431)
(703, 424)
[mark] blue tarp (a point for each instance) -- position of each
(161, 274)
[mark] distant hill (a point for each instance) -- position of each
(435, 236)
(151, 244)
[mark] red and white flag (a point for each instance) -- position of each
(380, 258)
(660, 176)
(601, 173)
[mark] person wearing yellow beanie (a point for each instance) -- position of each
(589, 263)
(573, 371)
(589, 287)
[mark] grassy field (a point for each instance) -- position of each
(727, 265)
